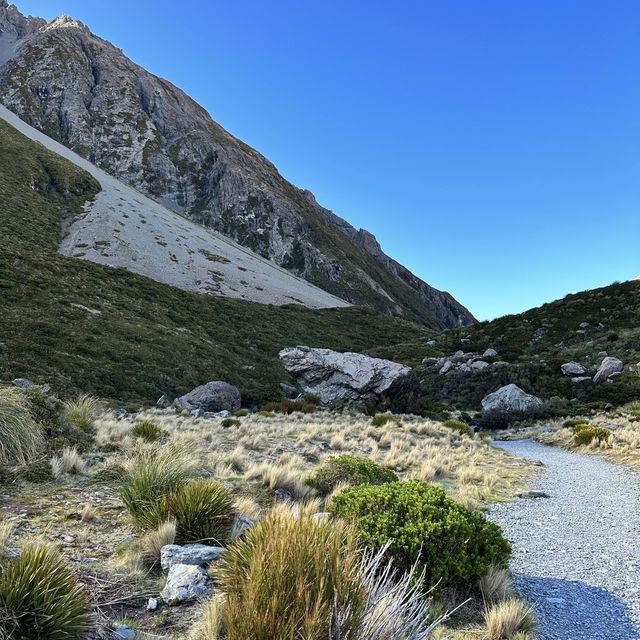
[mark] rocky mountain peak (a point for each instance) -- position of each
(65, 22)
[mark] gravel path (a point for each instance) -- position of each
(576, 554)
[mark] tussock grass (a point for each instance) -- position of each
(148, 547)
(20, 436)
(68, 462)
(496, 585)
(42, 599)
(509, 619)
(82, 411)
(277, 476)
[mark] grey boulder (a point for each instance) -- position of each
(573, 369)
(194, 554)
(213, 396)
(163, 402)
(186, 582)
(511, 398)
(344, 378)
(608, 367)
(22, 383)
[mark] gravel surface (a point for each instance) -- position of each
(576, 554)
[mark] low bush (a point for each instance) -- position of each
(82, 411)
(20, 436)
(458, 426)
(451, 543)
(633, 408)
(286, 578)
(230, 422)
(41, 599)
(347, 469)
(380, 419)
(37, 472)
(290, 406)
(312, 398)
(241, 413)
(585, 434)
(572, 423)
(147, 430)
(149, 478)
(202, 511)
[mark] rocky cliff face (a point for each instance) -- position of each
(84, 92)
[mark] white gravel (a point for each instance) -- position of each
(124, 228)
(576, 554)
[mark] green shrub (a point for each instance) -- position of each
(312, 398)
(230, 422)
(20, 436)
(458, 426)
(82, 411)
(453, 544)
(290, 406)
(633, 408)
(573, 423)
(149, 478)
(41, 599)
(37, 472)
(202, 510)
(147, 430)
(348, 469)
(380, 419)
(241, 413)
(286, 579)
(585, 434)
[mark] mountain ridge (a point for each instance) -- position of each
(84, 92)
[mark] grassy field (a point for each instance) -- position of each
(81, 326)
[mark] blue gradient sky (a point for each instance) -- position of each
(491, 145)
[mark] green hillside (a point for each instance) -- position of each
(133, 338)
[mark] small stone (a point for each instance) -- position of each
(533, 494)
(283, 494)
(122, 632)
(22, 383)
(163, 402)
(152, 604)
(322, 516)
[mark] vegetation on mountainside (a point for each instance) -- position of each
(535, 344)
(133, 338)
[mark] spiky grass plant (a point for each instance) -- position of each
(20, 436)
(287, 576)
(202, 510)
(496, 585)
(151, 476)
(68, 462)
(509, 618)
(41, 599)
(147, 430)
(82, 411)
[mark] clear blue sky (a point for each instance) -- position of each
(493, 146)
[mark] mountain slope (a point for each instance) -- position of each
(83, 326)
(84, 92)
(123, 228)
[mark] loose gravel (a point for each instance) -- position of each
(576, 554)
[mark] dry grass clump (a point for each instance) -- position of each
(68, 462)
(20, 436)
(510, 619)
(496, 585)
(148, 547)
(82, 411)
(279, 476)
(88, 513)
(6, 531)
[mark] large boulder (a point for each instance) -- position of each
(573, 369)
(511, 399)
(213, 396)
(607, 368)
(344, 378)
(186, 582)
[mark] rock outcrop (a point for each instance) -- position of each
(213, 396)
(84, 92)
(574, 369)
(511, 399)
(609, 367)
(344, 378)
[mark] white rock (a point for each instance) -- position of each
(607, 368)
(194, 554)
(511, 398)
(186, 582)
(490, 353)
(573, 369)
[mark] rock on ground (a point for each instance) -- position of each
(196, 554)
(511, 398)
(607, 368)
(576, 555)
(213, 396)
(186, 582)
(344, 378)
(573, 369)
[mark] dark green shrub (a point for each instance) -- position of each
(380, 419)
(453, 544)
(241, 413)
(147, 430)
(203, 512)
(585, 434)
(110, 472)
(312, 398)
(348, 469)
(41, 599)
(230, 422)
(573, 423)
(37, 472)
(290, 406)
(457, 425)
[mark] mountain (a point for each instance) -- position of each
(84, 92)
(82, 326)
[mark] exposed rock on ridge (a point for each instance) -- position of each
(85, 92)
